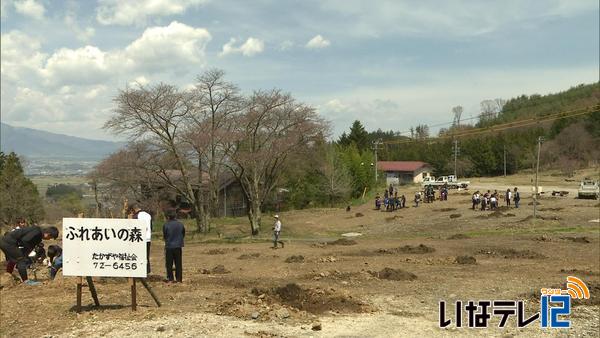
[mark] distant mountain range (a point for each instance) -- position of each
(39, 144)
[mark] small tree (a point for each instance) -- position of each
(19, 197)
(337, 182)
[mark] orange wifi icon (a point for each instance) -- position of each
(577, 288)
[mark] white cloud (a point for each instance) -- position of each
(122, 12)
(30, 8)
(251, 47)
(139, 81)
(286, 45)
(20, 56)
(317, 42)
(174, 46)
(82, 34)
(82, 66)
(77, 84)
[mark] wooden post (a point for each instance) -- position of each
(133, 294)
(79, 284)
(90, 283)
(145, 284)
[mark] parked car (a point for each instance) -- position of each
(449, 180)
(588, 188)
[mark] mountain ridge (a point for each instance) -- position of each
(36, 143)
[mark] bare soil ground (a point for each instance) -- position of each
(387, 282)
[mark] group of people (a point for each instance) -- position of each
(429, 192)
(173, 234)
(491, 200)
(391, 201)
(22, 246)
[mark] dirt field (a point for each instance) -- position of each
(386, 282)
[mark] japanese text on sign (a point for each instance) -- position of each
(104, 247)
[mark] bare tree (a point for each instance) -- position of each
(500, 103)
(216, 103)
(272, 126)
(490, 109)
(457, 112)
(157, 116)
(422, 132)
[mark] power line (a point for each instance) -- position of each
(507, 125)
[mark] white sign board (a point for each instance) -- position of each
(106, 247)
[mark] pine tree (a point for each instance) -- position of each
(19, 197)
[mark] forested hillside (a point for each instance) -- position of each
(483, 145)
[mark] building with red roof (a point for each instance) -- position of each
(401, 172)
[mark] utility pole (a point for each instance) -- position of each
(504, 148)
(537, 169)
(376, 144)
(455, 156)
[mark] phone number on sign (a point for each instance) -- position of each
(116, 266)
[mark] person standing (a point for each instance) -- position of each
(17, 245)
(508, 197)
(277, 232)
(516, 198)
(173, 232)
(138, 213)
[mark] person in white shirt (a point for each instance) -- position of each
(276, 232)
(140, 214)
(508, 197)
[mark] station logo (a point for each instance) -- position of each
(555, 308)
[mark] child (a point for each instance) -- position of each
(516, 198)
(475, 199)
(508, 197)
(56, 260)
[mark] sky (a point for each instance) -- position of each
(391, 64)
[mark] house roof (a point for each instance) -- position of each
(401, 165)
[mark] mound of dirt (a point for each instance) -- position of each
(466, 260)
(512, 253)
(342, 241)
(455, 215)
(389, 219)
(295, 259)
(578, 239)
(542, 238)
(217, 270)
(496, 213)
(358, 214)
(551, 209)
(580, 272)
(393, 274)
(249, 256)
(407, 249)
(444, 209)
(458, 236)
(531, 203)
(316, 301)
(220, 251)
(544, 218)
